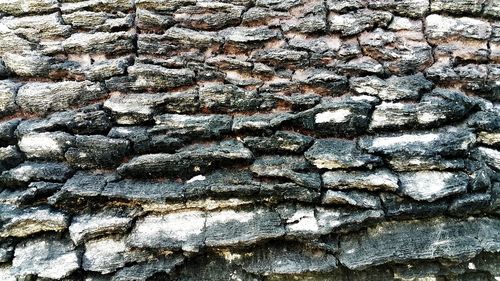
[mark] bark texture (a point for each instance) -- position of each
(250, 140)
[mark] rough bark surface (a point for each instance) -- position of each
(260, 140)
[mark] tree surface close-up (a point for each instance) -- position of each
(249, 140)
